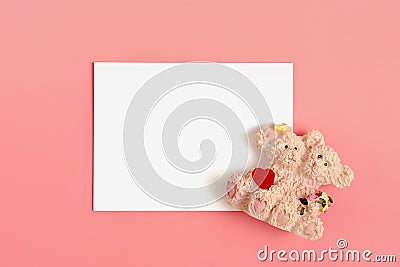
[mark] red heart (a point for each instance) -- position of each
(264, 178)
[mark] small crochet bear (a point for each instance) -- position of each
(300, 165)
(241, 187)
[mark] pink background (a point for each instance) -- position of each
(347, 81)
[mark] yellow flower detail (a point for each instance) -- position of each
(324, 208)
(280, 128)
(324, 202)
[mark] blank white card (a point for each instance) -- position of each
(167, 135)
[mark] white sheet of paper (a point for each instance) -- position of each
(115, 85)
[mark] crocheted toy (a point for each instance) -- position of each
(286, 194)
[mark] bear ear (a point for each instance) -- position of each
(313, 138)
(265, 137)
(345, 178)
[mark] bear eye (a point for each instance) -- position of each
(286, 146)
(295, 148)
(325, 164)
(320, 156)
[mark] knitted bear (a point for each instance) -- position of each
(300, 164)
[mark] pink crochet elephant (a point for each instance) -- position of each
(300, 165)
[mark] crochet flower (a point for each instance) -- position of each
(325, 202)
(281, 128)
